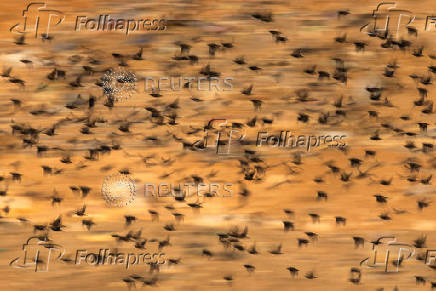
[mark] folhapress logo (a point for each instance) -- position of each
(38, 19)
(37, 255)
(387, 18)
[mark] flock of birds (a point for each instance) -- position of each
(384, 118)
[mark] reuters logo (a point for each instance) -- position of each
(119, 84)
(118, 190)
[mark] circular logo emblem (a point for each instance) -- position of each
(119, 84)
(118, 190)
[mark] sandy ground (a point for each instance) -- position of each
(281, 182)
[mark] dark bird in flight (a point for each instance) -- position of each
(88, 223)
(250, 268)
(265, 17)
(293, 271)
(287, 225)
(56, 225)
(358, 241)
